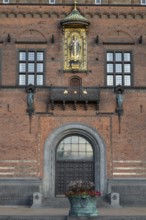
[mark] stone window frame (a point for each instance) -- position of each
(97, 2)
(143, 2)
(122, 73)
(79, 80)
(35, 62)
(6, 1)
(52, 2)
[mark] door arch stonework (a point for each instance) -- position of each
(50, 150)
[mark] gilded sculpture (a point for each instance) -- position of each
(75, 42)
(75, 49)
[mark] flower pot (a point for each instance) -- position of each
(83, 205)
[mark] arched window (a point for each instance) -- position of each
(75, 82)
(74, 148)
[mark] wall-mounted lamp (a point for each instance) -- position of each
(119, 103)
(97, 39)
(30, 101)
(52, 39)
(140, 41)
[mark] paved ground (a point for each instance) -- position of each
(126, 211)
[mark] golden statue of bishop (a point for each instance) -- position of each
(75, 49)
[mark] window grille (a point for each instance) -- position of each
(118, 68)
(31, 68)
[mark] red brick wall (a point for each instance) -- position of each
(21, 152)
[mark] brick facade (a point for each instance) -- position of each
(22, 139)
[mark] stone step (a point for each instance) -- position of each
(55, 202)
(64, 202)
(8, 217)
(108, 218)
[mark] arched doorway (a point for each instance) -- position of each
(74, 161)
(51, 145)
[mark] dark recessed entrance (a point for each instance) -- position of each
(74, 161)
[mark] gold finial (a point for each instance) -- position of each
(75, 4)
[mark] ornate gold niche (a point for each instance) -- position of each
(75, 41)
(75, 49)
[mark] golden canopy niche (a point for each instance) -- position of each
(75, 41)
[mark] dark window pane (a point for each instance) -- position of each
(22, 80)
(110, 68)
(22, 56)
(127, 80)
(39, 80)
(127, 68)
(22, 67)
(127, 57)
(118, 80)
(40, 56)
(31, 56)
(109, 57)
(110, 80)
(118, 57)
(118, 68)
(31, 67)
(31, 79)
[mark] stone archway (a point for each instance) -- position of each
(50, 149)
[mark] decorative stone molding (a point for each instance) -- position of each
(118, 37)
(49, 155)
(61, 15)
(31, 36)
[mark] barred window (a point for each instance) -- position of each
(118, 68)
(31, 68)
